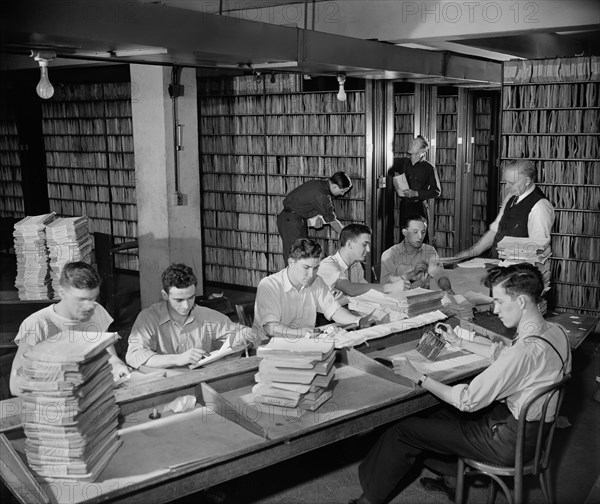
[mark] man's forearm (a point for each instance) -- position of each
(278, 330)
(163, 361)
(486, 242)
(345, 317)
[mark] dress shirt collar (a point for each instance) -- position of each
(410, 250)
(525, 194)
(339, 259)
(287, 283)
(165, 316)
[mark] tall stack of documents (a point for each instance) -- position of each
(69, 409)
(295, 373)
(398, 305)
(514, 250)
(33, 273)
(68, 239)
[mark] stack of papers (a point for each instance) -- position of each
(33, 273)
(69, 409)
(398, 305)
(68, 239)
(458, 305)
(295, 374)
(354, 338)
(515, 250)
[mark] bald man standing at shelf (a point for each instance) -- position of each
(311, 199)
(525, 212)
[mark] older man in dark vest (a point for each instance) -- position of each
(525, 212)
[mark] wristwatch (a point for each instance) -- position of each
(422, 380)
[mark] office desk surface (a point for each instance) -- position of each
(227, 435)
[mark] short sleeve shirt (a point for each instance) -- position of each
(277, 300)
(334, 268)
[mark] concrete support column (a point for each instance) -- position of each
(168, 222)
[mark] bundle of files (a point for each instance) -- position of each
(397, 305)
(515, 250)
(459, 305)
(68, 239)
(69, 413)
(33, 273)
(295, 374)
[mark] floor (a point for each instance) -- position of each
(329, 475)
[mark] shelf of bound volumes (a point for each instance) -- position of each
(88, 138)
(404, 132)
(551, 113)
(445, 162)
(11, 189)
(259, 140)
(481, 157)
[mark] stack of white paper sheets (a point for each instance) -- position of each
(33, 274)
(295, 373)
(69, 409)
(68, 239)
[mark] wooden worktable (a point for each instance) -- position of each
(227, 435)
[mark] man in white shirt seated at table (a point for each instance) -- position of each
(343, 272)
(77, 310)
(287, 302)
(412, 260)
(176, 332)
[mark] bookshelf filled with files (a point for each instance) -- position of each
(88, 138)
(259, 140)
(11, 189)
(551, 115)
(482, 156)
(446, 133)
(404, 132)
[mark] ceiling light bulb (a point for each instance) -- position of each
(341, 96)
(44, 89)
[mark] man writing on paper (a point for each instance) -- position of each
(412, 260)
(77, 310)
(343, 272)
(539, 356)
(176, 332)
(309, 200)
(525, 212)
(415, 181)
(287, 302)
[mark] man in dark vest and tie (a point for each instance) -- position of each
(525, 212)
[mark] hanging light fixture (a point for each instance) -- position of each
(44, 88)
(341, 96)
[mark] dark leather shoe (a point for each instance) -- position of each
(438, 485)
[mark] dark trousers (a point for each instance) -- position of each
(490, 436)
(291, 227)
(409, 207)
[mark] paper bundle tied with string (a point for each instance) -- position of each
(430, 345)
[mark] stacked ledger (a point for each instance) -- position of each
(397, 305)
(295, 373)
(514, 250)
(69, 409)
(33, 274)
(68, 239)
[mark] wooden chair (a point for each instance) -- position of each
(375, 273)
(537, 466)
(245, 313)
